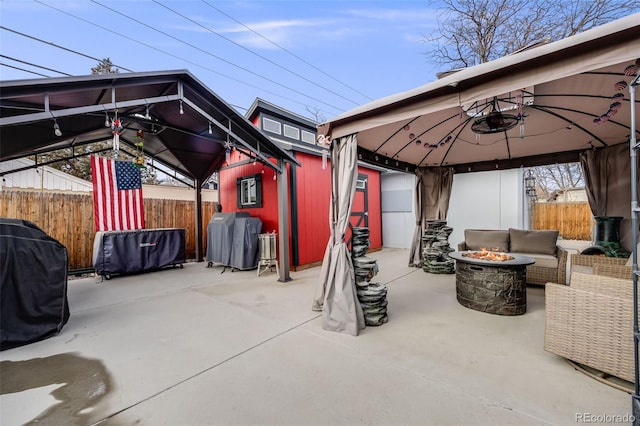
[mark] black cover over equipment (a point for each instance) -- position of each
(33, 284)
(232, 240)
(141, 250)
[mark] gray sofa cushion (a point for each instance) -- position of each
(494, 240)
(543, 242)
(542, 260)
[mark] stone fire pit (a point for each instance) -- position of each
(493, 286)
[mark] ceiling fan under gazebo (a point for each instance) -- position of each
(495, 121)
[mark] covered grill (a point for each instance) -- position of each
(33, 284)
(232, 240)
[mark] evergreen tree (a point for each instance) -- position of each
(104, 67)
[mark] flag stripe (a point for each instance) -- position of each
(109, 195)
(138, 208)
(117, 195)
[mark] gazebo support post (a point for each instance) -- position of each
(283, 222)
(198, 209)
(635, 212)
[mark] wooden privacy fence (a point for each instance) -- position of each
(573, 220)
(68, 217)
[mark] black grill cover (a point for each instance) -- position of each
(33, 284)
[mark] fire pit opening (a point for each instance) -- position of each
(484, 254)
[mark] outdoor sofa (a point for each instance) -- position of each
(550, 259)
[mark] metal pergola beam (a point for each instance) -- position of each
(68, 112)
(227, 129)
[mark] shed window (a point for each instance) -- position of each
(270, 125)
(308, 137)
(291, 132)
(249, 191)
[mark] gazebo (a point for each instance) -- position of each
(567, 101)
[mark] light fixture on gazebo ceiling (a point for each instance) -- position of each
(495, 121)
(56, 128)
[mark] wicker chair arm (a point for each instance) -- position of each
(615, 271)
(609, 286)
(563, 256)
(590, 260)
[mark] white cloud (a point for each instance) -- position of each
(413, 37)
(289, 33)
(267, 26)
(343, 25)
(284, 32)
(396, 15)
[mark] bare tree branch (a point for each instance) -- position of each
(471, 32)
(317, 115)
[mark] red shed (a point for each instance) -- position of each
(246, 185)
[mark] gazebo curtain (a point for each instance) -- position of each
(607, 180)
(432, 195)
(336, 292)
(415, 254)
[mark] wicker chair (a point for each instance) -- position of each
(615, 267)
(591, 322)
(590, 260)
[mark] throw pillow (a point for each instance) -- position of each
(543, 242)
(494, 240)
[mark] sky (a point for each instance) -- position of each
(317, 59)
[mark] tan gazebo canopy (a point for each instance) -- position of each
(561, 90)
(555, 103)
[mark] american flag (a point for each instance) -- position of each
(117, 195)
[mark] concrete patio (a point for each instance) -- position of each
(195, 346)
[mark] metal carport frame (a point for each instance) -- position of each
(186, 126)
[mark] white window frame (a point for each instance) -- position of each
(270, 122)
(288, 130)
(248, 191)
(308, 137)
